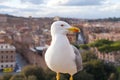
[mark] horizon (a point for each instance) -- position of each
(80, 9)
(58, 16)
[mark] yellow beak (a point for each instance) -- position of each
(74, 29)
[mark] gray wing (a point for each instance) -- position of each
(78, 59)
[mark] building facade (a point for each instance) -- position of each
(7, 56)
(3, 18)
(35, 56)
(112, 57)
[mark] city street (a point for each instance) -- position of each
(20, 63)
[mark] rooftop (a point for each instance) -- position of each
(6, 46)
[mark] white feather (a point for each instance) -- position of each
(60, 56)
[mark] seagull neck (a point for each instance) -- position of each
(59, 38)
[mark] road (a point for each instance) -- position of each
(20, 63)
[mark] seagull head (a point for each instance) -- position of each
(62, 27)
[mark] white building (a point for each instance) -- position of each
(7, 56)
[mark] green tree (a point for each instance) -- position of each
(32, 77)
(109, 68)
(96, 68)
(84, 46)
(101, 42)
(64, 76)
(118, 70)
(76, 45)
(105, 45)
(34, 70)
(50, 75)
(105, 48)
(88, 55)
(100, 70)
(18, 77)
(83, 76)
(112, 76)
(7, 76)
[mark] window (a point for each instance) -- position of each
(6, 60)
(6, 56)
(1, 66)
(1, 57)
(6, 46)
(12, 51)
(11, 65)
(12, 60)
(11, 56)
(6, 66)
(1, 46)
(1, 61)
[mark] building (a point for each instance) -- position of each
(7, 56)
(105, 30)
(101, 30)
(112, 57)
(3, 18)
(35, 56)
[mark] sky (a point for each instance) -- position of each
(84, 9)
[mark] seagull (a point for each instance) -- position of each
(61, 56)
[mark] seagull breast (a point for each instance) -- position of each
(60, 56)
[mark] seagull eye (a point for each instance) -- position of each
(62, 25)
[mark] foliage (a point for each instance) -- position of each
(18, 77)
(109, 68)
(101, 42)
(96, 68)
(64, 76)
(115, 46)
(88, 55)
(112, 76)
(34, 70)
(118, 70)
(83, 76)
(103, 45)
(32, 77)
(84, 46)
(105, 48)
(93, 70)
(99, 69)
(77, 46)
(7, 76)
(50, 75)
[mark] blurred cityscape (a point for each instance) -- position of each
(24, 40)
